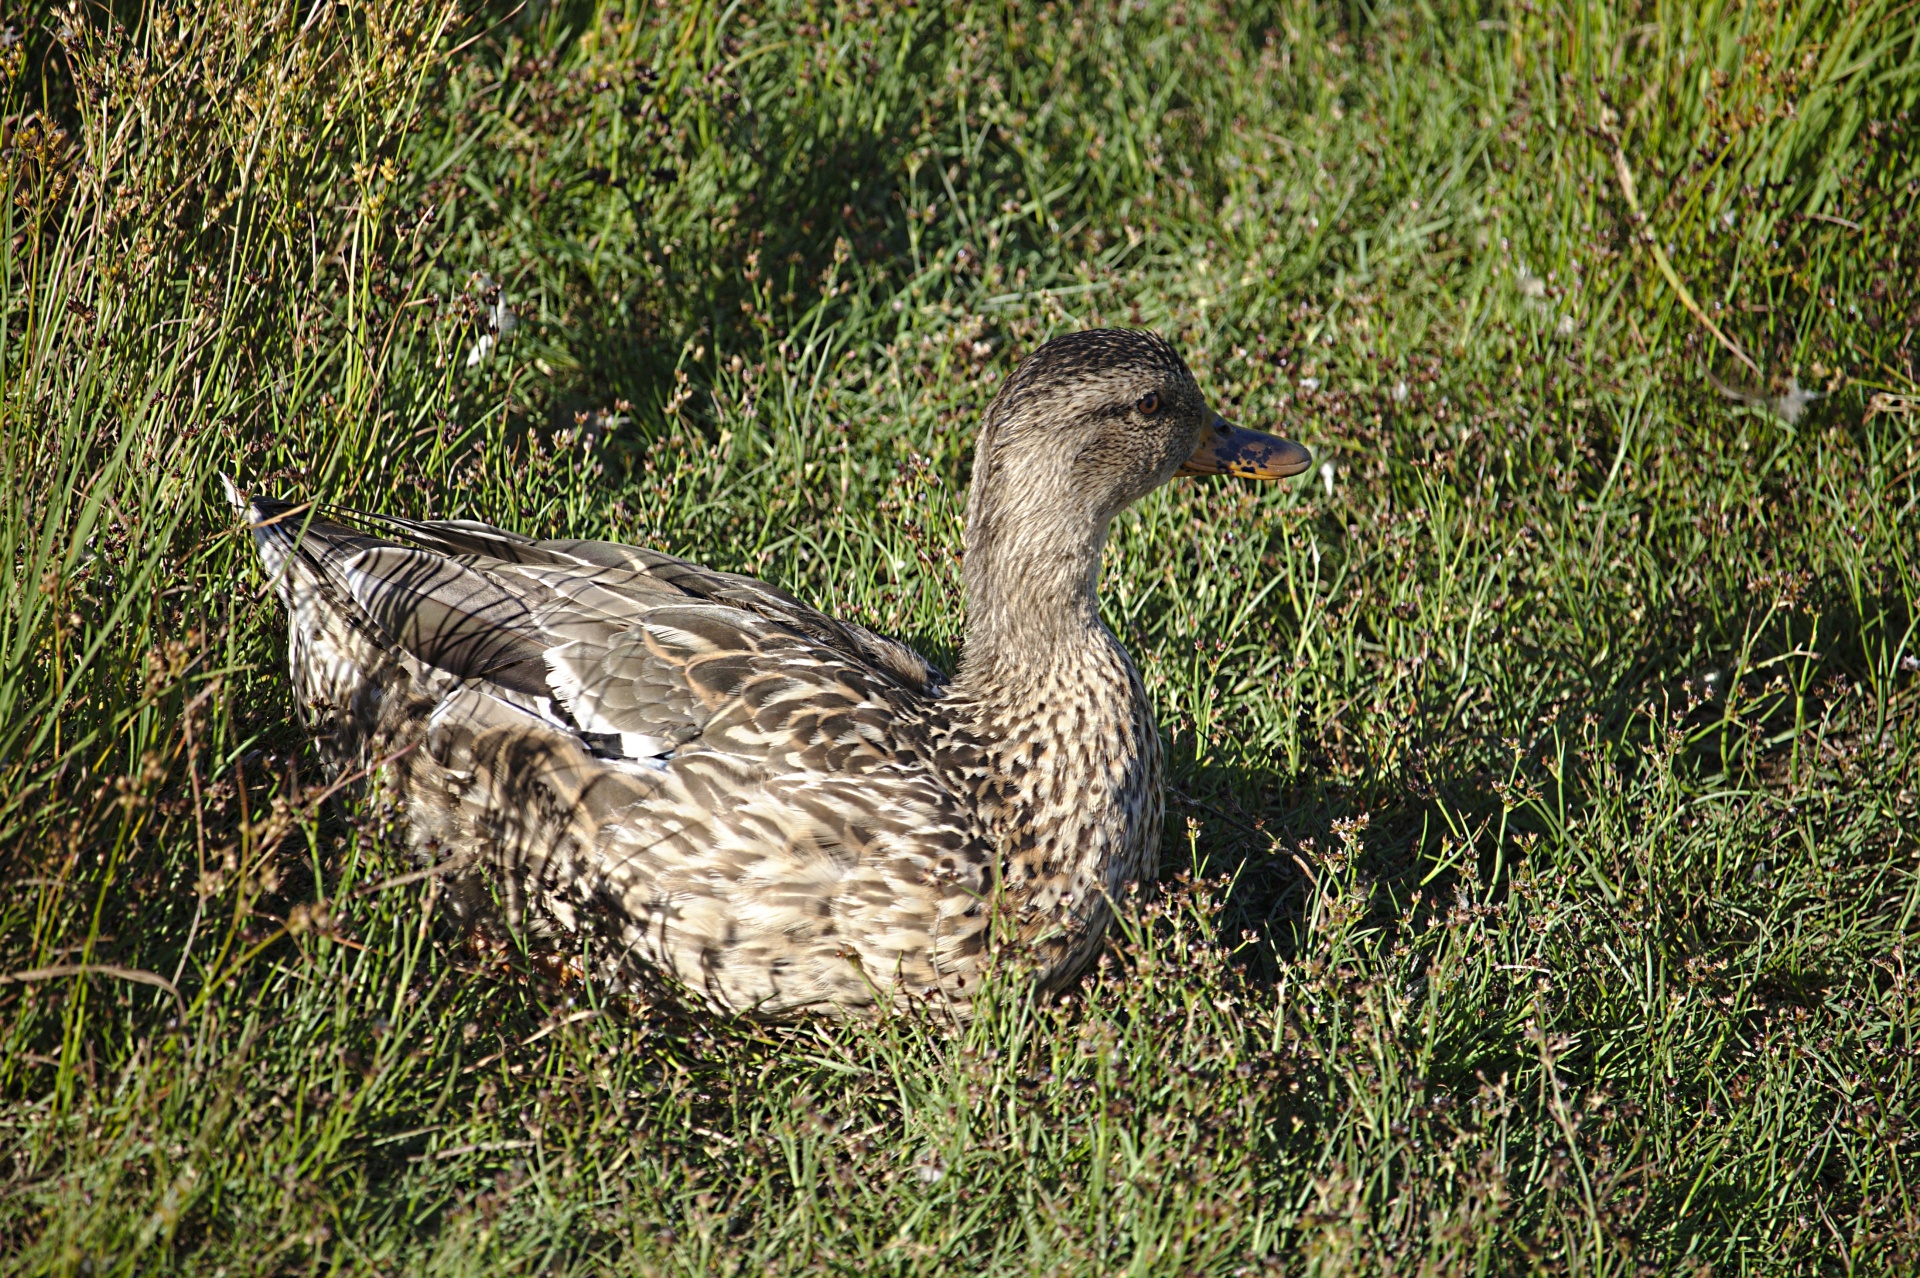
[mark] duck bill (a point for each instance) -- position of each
(1226, 449)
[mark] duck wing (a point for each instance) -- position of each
(647, 572)
(752, 797)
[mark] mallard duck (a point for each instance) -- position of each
(777, 811)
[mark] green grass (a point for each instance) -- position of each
(1542, 879)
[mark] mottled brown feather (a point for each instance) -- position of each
(780, 811)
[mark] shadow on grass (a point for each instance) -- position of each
(1272, 836)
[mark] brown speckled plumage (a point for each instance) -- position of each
(779, 811)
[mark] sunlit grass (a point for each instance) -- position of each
(1541, 875)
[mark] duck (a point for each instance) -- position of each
(727, 792)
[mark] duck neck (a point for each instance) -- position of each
(1033, 608)
(1072, 771)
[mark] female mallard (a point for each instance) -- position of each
(780, 811)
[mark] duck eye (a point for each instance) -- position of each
(1149, 404)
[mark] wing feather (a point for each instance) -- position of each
(697, 754)
(634, 572)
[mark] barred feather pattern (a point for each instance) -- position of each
(777, 811)
(773, 810)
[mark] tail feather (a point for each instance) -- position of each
(421, 601)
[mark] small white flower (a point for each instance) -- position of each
(499, 320)
(1310, 383)
(1790, 405)
(1787, 406)
(1400, 391)
(1326, 478)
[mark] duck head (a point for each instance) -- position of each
(1086, 426)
